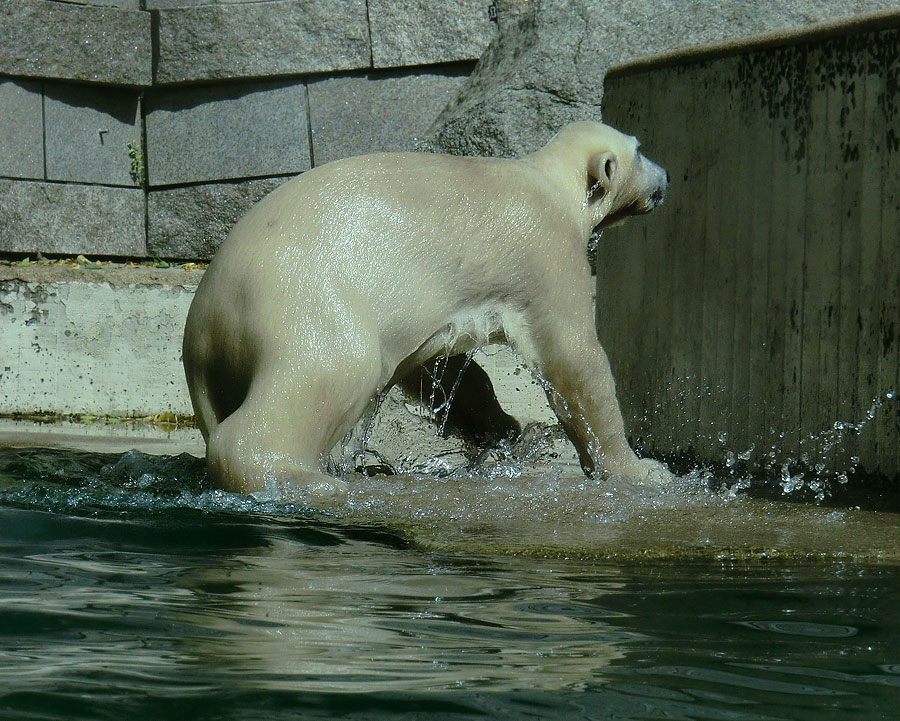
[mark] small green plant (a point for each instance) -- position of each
(138, 167)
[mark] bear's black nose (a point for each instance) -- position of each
(667, 177)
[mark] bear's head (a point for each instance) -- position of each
(623, 183)
(616, 179)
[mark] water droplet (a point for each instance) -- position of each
(591, 191)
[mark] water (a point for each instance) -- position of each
(131, 589)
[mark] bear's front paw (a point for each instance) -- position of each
(653, 471)
(644, 471)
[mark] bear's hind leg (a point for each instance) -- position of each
(243, 459)
(277, 438)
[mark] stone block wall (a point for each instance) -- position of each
(147, 127)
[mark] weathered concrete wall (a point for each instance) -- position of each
(761, 305)
(93, 342)
(146, 128)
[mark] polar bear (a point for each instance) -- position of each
(353, 276)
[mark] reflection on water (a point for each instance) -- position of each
(128, 587)
(350, 621)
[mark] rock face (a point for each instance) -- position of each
(547, 65)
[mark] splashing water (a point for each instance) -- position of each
(593, 189)
(593, 243)
(441, 478)
(799, 473)
(441, 410)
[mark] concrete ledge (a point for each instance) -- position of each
(93, 341)
(102, 436)
(60, 40)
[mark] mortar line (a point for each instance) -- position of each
(309, 131)
(154, 45)
(369, 30)
(44, 129)
(144, 180)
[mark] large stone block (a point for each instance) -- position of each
(419, 32)
(21, 129)
(68, 218)
(352, 115)
(61, 40)
(87, 132)
(287, 37)
(221, 132)
(547, 68)
(191, 222)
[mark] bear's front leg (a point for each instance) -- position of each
(581, 390)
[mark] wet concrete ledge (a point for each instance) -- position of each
(100, 342)
(745, 531)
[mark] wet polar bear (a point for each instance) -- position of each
(352, 276)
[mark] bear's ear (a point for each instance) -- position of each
(602, 171)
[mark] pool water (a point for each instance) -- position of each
(130, 589)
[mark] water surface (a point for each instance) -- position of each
(128, 588)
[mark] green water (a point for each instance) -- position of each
(129, 590)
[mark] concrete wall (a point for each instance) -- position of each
(759, 309)
(147, 127)
(97, 342)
